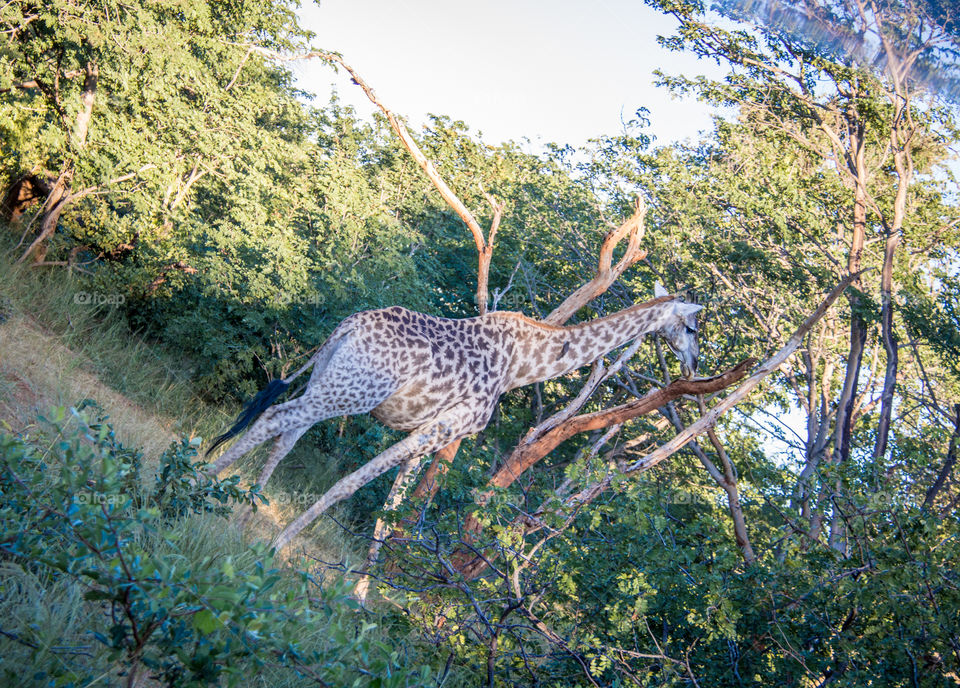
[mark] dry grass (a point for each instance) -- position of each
(55, 351)
(37, 372)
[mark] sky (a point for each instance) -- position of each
(549, 71)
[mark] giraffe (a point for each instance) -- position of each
(438, 379)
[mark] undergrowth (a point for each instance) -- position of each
(106, 574)
(91, 323)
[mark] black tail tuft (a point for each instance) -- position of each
(251, 411)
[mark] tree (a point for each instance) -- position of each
(864, 134)
(126, 107)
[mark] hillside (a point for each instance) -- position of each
(38, 371)
(714, 444)
(61, 356)
(49, 632)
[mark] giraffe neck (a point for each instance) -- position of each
(542, 352)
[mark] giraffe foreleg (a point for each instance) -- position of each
(401, 486)
(451, 425)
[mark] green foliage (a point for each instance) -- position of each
(235, 226)
(76, 520)
(252, 223)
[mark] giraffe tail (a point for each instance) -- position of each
(272, 392)
(252, 410)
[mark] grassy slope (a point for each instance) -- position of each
(38, 371)
(55, 352)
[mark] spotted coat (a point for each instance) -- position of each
(440, 378)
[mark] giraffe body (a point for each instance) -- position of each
(440, 378)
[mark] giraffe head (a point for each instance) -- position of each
(680, 332)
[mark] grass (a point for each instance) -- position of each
(56, 350)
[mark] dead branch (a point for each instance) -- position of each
(607, 273)
(535, 448)
(35, 83)
(710, 418)
(437, 469)
(55, 206)
(484, 246)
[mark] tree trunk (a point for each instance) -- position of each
(20, 195)
(858, 328)
(88, 97)
(731, 487)
(904, 166)
(58, 199)
(890, 345)
(60, 195)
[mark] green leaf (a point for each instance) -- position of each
(205, 621)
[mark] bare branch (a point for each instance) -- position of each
(35, 83)
(162, 277)
(607, 273)
(709, 419)
(534, 448)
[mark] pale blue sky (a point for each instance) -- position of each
(559, 71)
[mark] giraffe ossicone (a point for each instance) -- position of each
(437, 378)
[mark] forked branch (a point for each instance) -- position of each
(537, 446)
(607, 272)
(472, 566)
(484, 245)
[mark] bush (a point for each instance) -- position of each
(78, 528)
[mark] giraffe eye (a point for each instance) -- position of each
(691, 330)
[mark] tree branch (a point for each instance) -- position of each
(471, 567)
(709, 419)
(607, 273)
(948, 464)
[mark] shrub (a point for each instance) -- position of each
(76, 520)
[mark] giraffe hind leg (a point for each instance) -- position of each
(282, 446)
(259, 406)
(337, 387)
(276, 420)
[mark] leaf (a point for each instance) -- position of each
(205, 621)
(97, 595)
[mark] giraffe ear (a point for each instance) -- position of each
(658, 290)
(685, 309)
